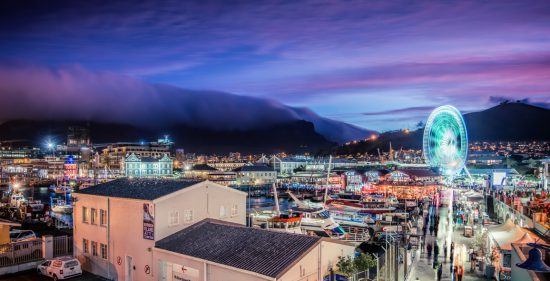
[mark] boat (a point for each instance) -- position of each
(61, 206)
(360, 208)
(60, 189)
(282, 222)
(16, 199)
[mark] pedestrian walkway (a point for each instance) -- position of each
(422, 268)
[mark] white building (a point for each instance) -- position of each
(116, 224)
(213, 250)
(173, 230)
(255, 175)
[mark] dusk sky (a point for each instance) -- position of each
(376, 64)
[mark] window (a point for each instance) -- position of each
(94, 248)
(234, 210)
(174, 218)
(102, 217)
(222, 212)
(85, 246)
(84, 215)
(103, 251)
(93, 216)
(187, 216)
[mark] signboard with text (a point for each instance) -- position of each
(148, 221)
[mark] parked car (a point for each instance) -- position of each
(60, 268)
(18, 235)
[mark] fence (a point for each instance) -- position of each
(62, 246)
(20, 252)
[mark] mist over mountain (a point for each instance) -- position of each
(72, 93)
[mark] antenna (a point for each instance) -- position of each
(328, 176)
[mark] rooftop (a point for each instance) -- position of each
(145, 189)
(203, 167)
(265, 252)
(254, 168)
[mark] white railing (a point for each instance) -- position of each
(20, 252)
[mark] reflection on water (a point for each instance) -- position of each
(47, 196)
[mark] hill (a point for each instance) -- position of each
(510, 121)
(293, 136)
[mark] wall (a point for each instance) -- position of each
(125, 219)
(164, 262)
(204, 199)
(326, 254)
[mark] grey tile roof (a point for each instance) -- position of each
(261, 251)
(203, 167)
(146, 189)
(255, 168)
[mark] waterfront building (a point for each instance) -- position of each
(484, 159)
(234, 252)
(135, 166)
(255, 175)
(117, 224)
(200, 171)
(113, 155)
(227, 166)
(413, 175)
(288, 165)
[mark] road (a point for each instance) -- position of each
(31, 275)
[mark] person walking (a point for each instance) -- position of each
(460, 272)
(431, 230)
(429, 249)
(445, 251)
(439, 272)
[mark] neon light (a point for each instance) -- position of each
(445, 143)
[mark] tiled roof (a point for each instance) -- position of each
(265, 252)
(203, 167)
(146, 189)
(255, 168)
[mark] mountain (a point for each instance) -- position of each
(509, 121)
(293, 136)
(76, 94)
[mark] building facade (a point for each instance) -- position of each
(116, 224)
(135, 166)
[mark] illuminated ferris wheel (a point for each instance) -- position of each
(445, 141)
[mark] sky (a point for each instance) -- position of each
(379, 65)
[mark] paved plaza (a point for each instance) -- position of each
(422, 268)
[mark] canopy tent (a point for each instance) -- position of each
(509, 224)
(506, 234)
(475, 197)
(526, 238)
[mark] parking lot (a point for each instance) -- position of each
(31, 275)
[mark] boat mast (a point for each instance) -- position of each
(276, 198)
(328, 176)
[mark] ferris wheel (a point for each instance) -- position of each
(445, 141)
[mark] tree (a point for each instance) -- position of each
(364, 262)
(346, 265)
(350, 266)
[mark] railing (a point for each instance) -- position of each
(62, 246)
(20, 252)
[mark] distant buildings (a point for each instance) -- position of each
(255, 175)
(135, 166)
(113, 155)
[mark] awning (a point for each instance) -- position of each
(505, 238)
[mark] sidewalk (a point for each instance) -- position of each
(422, 268)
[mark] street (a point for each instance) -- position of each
(31, 275)
(422, 268)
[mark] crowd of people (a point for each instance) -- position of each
(435, 248)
